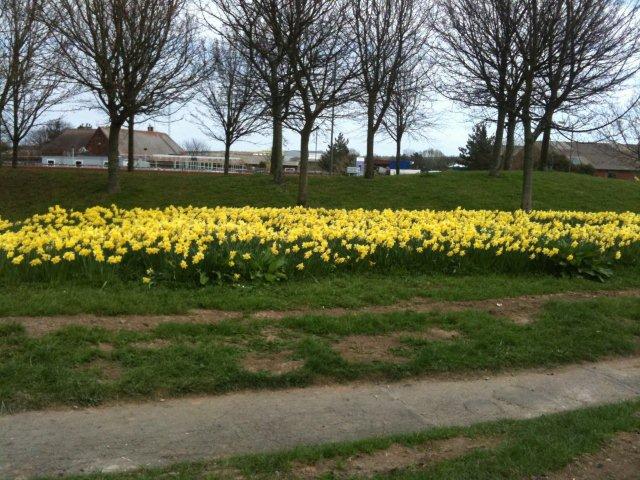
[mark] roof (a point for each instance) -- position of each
(601, 156)
(146, 143)
(70, 140)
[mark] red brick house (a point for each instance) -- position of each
(94, 143)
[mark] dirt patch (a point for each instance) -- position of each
(271, 334)
(275, 363)
(396, 457)
(155, 344)
(521, 310)
(105, 347)
(367, 348)
(109, 371)
(38, 326)
(618, 460)
(436, 334)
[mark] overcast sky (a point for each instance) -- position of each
(452, 127)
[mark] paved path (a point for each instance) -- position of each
(153, 434)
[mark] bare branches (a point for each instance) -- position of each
(573, 51)
(322, 67)
(408, 109)
(195, 147)
(230, 107)
(591, 54)
(531, 59)
(478, 52)
(261, 30)
(136, 56)
(388, 34)
(33, 87)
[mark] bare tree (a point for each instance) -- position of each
(619, 125)
(35, 88)
(387, 34)
(230, 107)
(195, 147)
(136, 56)
(593, 51)
(478, 55)
(323, 67)
(573, 51)
(258, 28)
(408, 111)
(536, 30)
(7, 30)
(46, 132)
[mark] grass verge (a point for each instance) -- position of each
(26, 191)
(528, 448)
(80, 365)
(338, 290)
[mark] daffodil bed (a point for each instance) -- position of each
(203, 245)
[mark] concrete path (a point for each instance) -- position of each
(154, 434)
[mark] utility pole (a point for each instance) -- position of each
(333, 119)
(316, 147)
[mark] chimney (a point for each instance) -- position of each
(150, 128)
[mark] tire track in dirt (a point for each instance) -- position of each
(521, 310)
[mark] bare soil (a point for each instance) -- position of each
(618, 460)
(38, 326)
(105, 347)
(155, 344)
(109, 371)
(275, 363)
(367, 348)
(521, 310)
(395, 458)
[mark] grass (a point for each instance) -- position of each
(78, 365)
(27, 191)
(528, 448)
(340, 290)
(24, 192)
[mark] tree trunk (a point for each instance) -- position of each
(113, 184)
(305, 135)
(276, 148)
(14, 152)
(527, 167)
(276, 153)
(227, 157)
(496, 153)
(369, 170)
(509, 148)
(398, 146)
(544, 148)
(131, 147)
(16, 133)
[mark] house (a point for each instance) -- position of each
(608, 160)
(89, 147)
